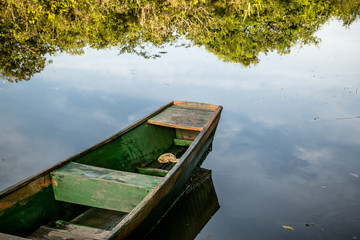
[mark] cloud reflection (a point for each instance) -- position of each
(312, 156)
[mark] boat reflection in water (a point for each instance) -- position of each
(194, 208)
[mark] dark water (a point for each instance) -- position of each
(191, 212)
(287, 148)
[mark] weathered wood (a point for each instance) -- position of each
(24, 192)
(183, 118)
(182, 142)
(100, 187)
(153, 171)
(68, 231)
(11, 237)
(99, 218)
(186, 134)
(196, 105)
(24, 210)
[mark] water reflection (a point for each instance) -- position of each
(237, 31)
(287, 147)
(191, 212)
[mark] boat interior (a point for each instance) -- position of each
(90, 193)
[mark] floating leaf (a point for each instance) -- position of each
(354, 175)
(287, 227)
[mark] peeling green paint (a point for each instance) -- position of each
(142, 144)
(100, 187)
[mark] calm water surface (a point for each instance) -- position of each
(287, 148)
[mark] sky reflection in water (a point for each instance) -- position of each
(286, 151)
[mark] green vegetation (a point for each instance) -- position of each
(236, 31)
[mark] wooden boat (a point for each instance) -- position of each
(116, 189)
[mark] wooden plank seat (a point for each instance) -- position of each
(155, 168)
(153, 171)
(101, 187)
(63, 230)
(183, 118)
(182, 142)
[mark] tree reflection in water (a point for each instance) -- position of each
(236, 31)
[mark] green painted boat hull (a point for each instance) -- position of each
(50, 196)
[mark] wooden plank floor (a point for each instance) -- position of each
(63, 231)
(99, 218)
